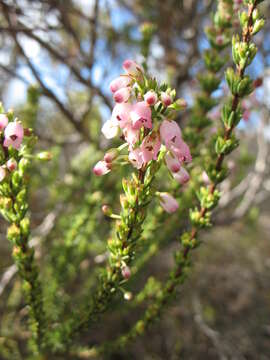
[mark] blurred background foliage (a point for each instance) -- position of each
(57, 59)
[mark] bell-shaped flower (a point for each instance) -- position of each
(101, 168)
(150, 97)
(122, 95)
(182, 176)
(119, 83)
(181, 150)
(131, 67)
(168, 202)
(13, 135)
(110, 129)
(170, 132)
(141, 115)
(135, 157)
(150, 147)
(3, 121)
(172, 162)
(121, 114)
(131, 134)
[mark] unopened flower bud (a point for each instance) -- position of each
(126, 272)
(128, 296)
(2, 173)
(150, 97)
(44, 156)
(11, 164)
(166, 98)
(107, 210)
(111, 155)
(102, 168)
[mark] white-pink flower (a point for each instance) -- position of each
(131, 67)
(2, 173)
(166, 98)
(110, 129)
(101, 168)
(119, 83)
(13, 135)
(150, 147)
(170, 132)
(168, 202)
(172, 162)
(122, 95)
(3, 121)
(151, 97)
(121, 114)
(135, 157)
(182, 176)
(141, 115)
(131, 135)
(181, 150)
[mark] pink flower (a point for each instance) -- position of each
(122, 95)
(182, 176)
(2, 173)
(150, 147)
(110, 129)
(11, 164)
(119, 83)
(141, 115)
(135, 157)
(181, 150)
(3, 121)
(150, 97)
(170, 132)
(205, 178)
(13, 135)
(131, 67)
(131, 135)
(172, 162)
(121, 114)
(168, 202)
(126, 272)
(166, 98)
(101, 168)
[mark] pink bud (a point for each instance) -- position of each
(11, 164)
(101, 168)
(151, 97)
(205, 178)
(119, 83)
(2, 173)
(111, 155)
(126, 272)
(13, 135)
(3, 121)
(131, 67)
(168, 202)
(122, 95)
(220, 40)
(166, 98)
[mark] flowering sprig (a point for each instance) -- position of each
(240, 86)
(142, 117)
(16, 144)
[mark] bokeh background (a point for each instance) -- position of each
(57, 59)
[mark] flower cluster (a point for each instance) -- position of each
(142, 116)
(11, 134)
